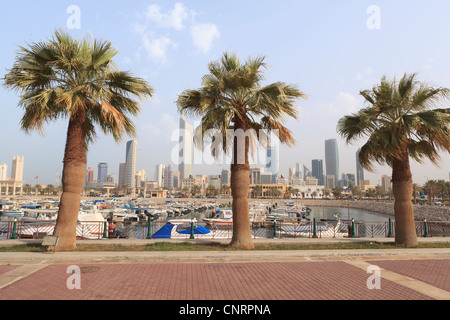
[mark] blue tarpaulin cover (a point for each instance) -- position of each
(166, 231)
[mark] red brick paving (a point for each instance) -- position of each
(4, 269)
(333, 280)
(434, 272)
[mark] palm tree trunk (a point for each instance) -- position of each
(405, 230)
(240, 183)
(72, 183)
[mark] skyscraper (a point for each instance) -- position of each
(3, 171)
(273, 162)
(359, 169)
(332, 159)
(17, 168)
(159, 174)
(168, 178)
(121, 175)
(102, 173)
(186, 149)
(90, 175)
(130, 164)
(317, 171)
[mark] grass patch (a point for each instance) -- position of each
(210, 246)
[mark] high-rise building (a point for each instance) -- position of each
(90, 175)
(186, 148)
(292, 174)
(102, 173)
(306, 172)
(317, 171)
(255, 175)
(17, 168)
(225, 175)
(273, 162)
(130, 164)
(297, 170)
(332, 159)
(330, 181)
(159, 174)
(121, 174)
(3, 172)
(168, 178)
(385, 183)
(350, 178)
(359, 169)
(140, 178)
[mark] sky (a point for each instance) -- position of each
(330, 49)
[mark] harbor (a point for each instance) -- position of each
(127, 218)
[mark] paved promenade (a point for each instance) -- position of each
(259, 276)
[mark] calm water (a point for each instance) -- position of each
(344, 214)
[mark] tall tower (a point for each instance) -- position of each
(332, 159)
(17, 168)
(317, 171)
(130, 164)
(359, 169)
(102, 172)
(90, 175)
(273, 162)
(159, 174)
(3, 171)
(186, 149)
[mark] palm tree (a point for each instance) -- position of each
(75, 80)
(400, 123)
(195, 190)
(258, 189)
(27, 188)
(232, 98)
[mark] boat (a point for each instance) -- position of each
(322, 229)
(90, 226)
(226, 215)
(10, 209)
(181, 229)
(222, 215)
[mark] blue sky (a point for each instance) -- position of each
(324, 47)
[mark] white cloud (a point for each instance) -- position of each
(203, 34)
(343, 104)
(174, 19)
(158, 45)
(156, 48)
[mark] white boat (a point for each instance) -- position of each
(90, 226)
(323, 230)
(226, 215)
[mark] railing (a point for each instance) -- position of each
(222, 230)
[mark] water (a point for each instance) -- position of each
(344, 214)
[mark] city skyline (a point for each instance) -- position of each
(327, 58)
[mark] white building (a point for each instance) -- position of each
(186, 149)
(3, 171)
(17, 168)
(130, 164)
(159, 174)
(309, 192)
(214, 181)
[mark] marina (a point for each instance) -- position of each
(194, 219)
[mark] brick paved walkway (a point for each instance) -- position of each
(317, 280)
